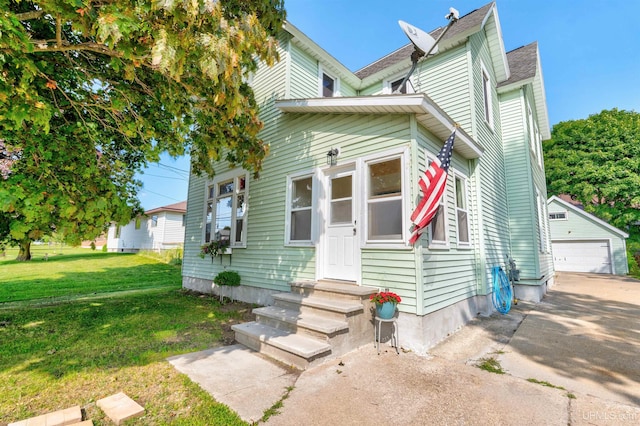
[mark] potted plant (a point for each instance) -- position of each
(214, 248)
(227, 279)
(386, 302)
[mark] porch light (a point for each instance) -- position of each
(332, 156)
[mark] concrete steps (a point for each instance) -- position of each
(314, 322)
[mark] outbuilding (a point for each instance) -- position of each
(581, 242)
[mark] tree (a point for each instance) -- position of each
(597, 161)
(90, 91)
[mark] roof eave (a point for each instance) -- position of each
(317, 52)
(427, 113)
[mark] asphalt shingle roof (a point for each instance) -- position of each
(523, 63)
(466, 22)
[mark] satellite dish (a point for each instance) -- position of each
(422, 41)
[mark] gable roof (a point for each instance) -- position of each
(576, 210)
(484, 17)
(180, 207)
(524, 63)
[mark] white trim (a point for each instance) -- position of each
(336, 82)
(446, 243)
(427, 113)
(314, 208)
(228, 175)
(465, 180)
(405, 169)
(487, 95)
(386, 84)
(588, 216)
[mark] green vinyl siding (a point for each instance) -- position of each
(445, 79)
(303, 78)
(493, 190)
(582, 226)
(449, 274)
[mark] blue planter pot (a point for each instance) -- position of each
(386, 310)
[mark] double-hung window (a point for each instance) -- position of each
(438, 235)
(462, 211)
(384, 200)
(226, 210)
(300, 208)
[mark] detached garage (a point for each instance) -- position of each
(583, 243)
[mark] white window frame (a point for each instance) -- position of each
(154, 220)
(439, 244)
(541, 215)
(387, 88)
(234, 175)
(565, 213)
(402, 154)
(336, 82)
(487, 98)
(457, 176)
(289, 210)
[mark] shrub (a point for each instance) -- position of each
(227, 278)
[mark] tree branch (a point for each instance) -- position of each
(27, 16)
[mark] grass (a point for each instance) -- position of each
(549, 385)
(75, 272)
(491, 365)
(76, 350)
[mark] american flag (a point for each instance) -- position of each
(432, 184)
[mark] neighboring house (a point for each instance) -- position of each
(158, 229)
(307, 220)
(583, 243)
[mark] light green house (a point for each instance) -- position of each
(583, 243)
(306, 221)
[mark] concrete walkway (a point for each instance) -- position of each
(583, 339)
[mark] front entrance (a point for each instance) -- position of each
(339, 243)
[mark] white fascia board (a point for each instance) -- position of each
(587, 216)
(418, 104)
(311, 47)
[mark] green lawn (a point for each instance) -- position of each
(85, 325)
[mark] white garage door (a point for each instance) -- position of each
(582, 256)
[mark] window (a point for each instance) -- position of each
(300, 205)
(541, 215)
(154, 220)
(486, 95)
(138, 221)
(225, 216)
(438, 237)
(384, 200)
(184, 220)
(462, 212)
(558, 216)
(117, 231)
(329, 85)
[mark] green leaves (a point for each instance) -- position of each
(597, 160)
(138, 79)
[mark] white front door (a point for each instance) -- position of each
(340, 247)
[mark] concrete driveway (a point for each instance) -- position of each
(584, 336)
(572, 359)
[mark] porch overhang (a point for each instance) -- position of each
(426, 111)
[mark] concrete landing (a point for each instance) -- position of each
(238, 377)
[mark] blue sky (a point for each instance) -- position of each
(588, 49)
